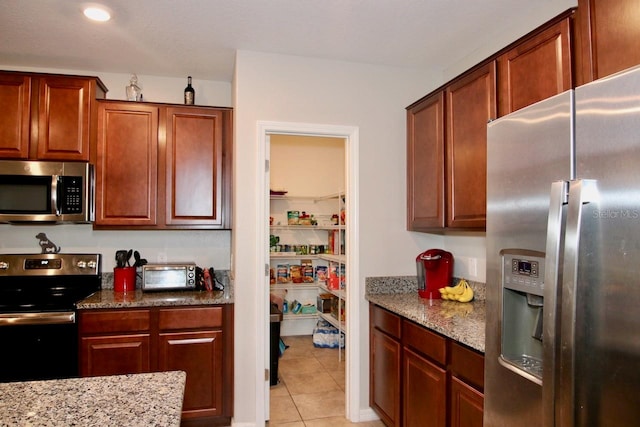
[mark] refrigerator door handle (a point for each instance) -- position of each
(581, 192)
(558, 198)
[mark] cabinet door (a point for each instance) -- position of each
(64, 118)
(424, 392)
(194, 166)
(425, 164)
(126, 169)
(384, 382)
(114, 355)
(199, 354)
(466, 405)
(471, 103)
(535, 69)
(608, 37)
(15, 112)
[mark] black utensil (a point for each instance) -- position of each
(121, 259)
(129, 253)
(139, 261)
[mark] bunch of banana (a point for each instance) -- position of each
(461, 292)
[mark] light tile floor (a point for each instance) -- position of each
(311, 388)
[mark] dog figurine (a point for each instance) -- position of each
(46, 245)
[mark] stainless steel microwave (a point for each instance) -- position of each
(43, 191)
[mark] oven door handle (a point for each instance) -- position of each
(49, 318)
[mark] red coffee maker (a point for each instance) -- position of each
(435, 270)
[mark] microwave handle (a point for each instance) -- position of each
(55, 194)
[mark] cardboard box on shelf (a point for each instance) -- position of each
(338, 309)
(324, 303)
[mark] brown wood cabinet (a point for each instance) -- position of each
(127, 164)
(424, 391)
(607, 38)
(115, 342)
(194, 339)
(446, 153)
(424, 377)
(194, 170)
(536, 68)
(466, 386)
(471, 103)
(425, 163)
(385, 365)
(466, 405)
(163, 166)
(435, 381)
(47, 116)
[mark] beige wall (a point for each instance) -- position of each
(304, 90)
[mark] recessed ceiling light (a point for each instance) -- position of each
(96, 13)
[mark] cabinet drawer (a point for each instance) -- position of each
(385, 321)
(190, 318)
(468, 365)
(424, 341)
(98, 322)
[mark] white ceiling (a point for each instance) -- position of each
(199, 37)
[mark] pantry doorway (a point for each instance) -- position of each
(347, 194)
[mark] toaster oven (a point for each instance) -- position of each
(169, 277)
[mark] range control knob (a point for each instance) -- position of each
(4, 265)
(92, 264)
(81, 264)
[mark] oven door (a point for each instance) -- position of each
(38, 346)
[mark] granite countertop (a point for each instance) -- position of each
(462, 322)
(108, 298)
(135, 400)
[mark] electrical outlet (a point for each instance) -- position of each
(162, 257)
(473, 267)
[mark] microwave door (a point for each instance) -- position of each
(27, 198)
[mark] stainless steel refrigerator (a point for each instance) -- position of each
(563, 260)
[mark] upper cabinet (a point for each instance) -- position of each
(127, 164)
(163, 166)
(446, 153)
(195, 168)
(48, 117)
(536, 68)
(425, 163)
(471, 103)
(447, 129)
(607, 38)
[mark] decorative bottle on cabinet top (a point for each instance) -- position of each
(189, 93)
(134, 93)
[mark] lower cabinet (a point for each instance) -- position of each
(385, 365)
(197, 340)
(419, 378)
(424, 392)
(385, 389)
(466, 405)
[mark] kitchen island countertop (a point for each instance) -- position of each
(139, 400)
(462, 322)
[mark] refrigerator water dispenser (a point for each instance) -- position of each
(522, 312)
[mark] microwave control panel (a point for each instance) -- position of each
(71, 194)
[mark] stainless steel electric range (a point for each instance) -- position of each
(38, 329)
